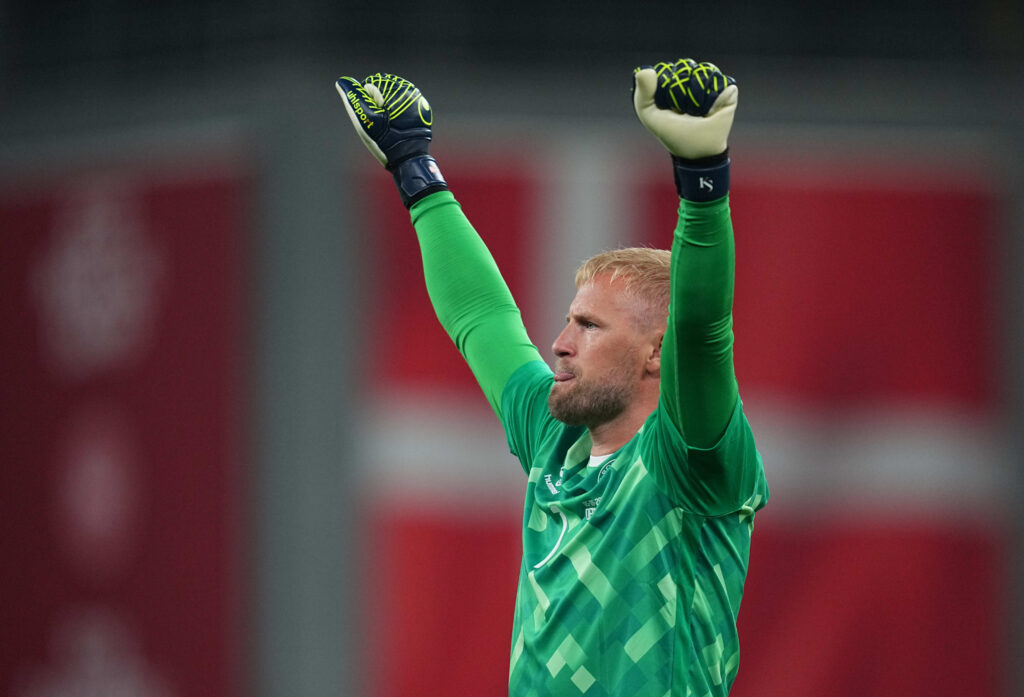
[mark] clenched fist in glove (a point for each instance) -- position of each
(689, 107)
(393, 119)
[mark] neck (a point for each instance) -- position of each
(610, 436)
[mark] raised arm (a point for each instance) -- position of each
(470, 297)
(689, 107)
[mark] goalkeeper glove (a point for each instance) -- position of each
(689, 107)
(393, 119)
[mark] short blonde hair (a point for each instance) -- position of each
(644, 272)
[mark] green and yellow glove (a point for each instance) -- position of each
(394, 119)
(689, 107)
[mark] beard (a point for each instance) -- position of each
(586, 403)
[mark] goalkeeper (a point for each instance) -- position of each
(642, 473)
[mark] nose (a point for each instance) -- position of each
(563, 346)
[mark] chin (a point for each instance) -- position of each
(566, 416)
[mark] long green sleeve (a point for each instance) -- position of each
(470, 297)
(698, 380)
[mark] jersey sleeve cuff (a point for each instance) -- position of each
(702, 180)
(417, 178)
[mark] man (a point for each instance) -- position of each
(643, 477)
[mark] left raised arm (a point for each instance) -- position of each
(689, 107)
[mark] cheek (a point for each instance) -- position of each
(624, 361)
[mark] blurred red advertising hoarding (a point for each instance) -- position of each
(119, 443)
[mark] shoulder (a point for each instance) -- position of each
(708, 481)
(528, 382)
(524, 409)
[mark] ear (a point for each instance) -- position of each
(652, 365)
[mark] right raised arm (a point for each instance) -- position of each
(393, 120)
(470, 297)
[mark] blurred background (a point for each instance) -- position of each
(238, 457)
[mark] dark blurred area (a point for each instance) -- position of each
(873, 62)
(122, 40)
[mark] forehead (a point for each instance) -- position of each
(602, 296)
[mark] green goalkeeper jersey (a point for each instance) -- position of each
(633, 566)
(623, 588)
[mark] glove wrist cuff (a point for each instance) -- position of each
(416, 177)
(705, 179)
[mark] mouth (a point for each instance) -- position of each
(564, 376)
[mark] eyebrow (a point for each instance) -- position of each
(585, 316)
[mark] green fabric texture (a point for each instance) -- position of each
(631, 575)
(471, 299)
(699, 389)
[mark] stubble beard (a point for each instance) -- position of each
(590, 404)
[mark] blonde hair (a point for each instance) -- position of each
(644, 272)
